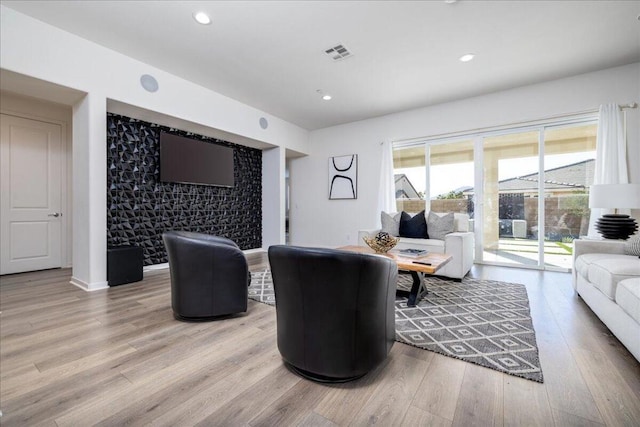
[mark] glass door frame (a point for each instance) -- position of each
(480, 202)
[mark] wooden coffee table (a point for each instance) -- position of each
(417, 266)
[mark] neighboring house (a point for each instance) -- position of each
(404, 187)
(563, 179)
(516, 200)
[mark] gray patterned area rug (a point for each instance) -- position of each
(479, 321)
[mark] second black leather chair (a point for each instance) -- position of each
(335, 310)
(209, 275)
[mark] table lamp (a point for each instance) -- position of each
(615, 196)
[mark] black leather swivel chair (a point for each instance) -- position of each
(209, 275)
(335, 311)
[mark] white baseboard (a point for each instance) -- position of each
(254, 251)
(165, 265)
(155, 267)
(89, 287)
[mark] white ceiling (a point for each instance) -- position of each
(270, 54)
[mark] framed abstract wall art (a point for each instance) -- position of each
(343, 177)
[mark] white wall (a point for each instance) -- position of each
(315, 220)
(273, 197)
(42, 51)
(37, 50)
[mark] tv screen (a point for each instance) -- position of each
(190, 161)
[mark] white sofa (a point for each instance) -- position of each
(459, 244)
(608, 281)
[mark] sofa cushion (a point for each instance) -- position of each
(628, 297)
(390, 223)
(439, 226)
(605, 274)
(584, 261)
(632, 246)
(460, 222)
(414, 227)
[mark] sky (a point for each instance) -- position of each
(450, 177)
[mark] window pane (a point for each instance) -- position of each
(410, 178)
(510, 187)
(569, 164)
(451, 177)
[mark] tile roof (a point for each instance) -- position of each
(574, 176)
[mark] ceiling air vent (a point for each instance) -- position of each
(339, 52)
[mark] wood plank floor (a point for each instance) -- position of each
(117, 356)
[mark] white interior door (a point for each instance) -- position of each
(30, 204)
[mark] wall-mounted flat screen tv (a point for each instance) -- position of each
(190, 161)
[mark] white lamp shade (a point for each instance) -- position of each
(614, 196)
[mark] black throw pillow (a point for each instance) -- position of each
(414, 227)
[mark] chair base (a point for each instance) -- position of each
(320, 378)
(201, 319)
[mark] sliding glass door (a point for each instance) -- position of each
(510, 188)
(569, 163)
(504, 180)
(547, 169)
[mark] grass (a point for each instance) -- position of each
(566, 247)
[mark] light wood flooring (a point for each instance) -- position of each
(117, 356)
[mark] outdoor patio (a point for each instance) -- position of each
(525, 252)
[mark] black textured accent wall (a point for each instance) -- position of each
(140, 207)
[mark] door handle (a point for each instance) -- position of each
(55, 214)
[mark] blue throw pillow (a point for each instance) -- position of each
(413, 227)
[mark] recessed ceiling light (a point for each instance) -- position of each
(467, 57)
(450, 1)
(324, 96)
(202, 18)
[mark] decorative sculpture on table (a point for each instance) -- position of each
(381, 242)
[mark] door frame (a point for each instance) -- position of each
(65, 180)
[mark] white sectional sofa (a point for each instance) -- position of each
(609, 283)
(459, 244)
